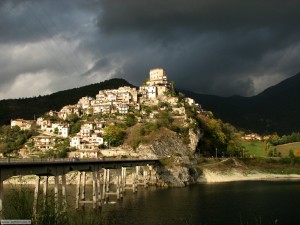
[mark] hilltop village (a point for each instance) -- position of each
(82, 127)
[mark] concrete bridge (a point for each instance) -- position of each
(141, 173)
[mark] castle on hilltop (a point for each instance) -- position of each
(157, 85)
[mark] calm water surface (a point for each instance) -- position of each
(258, 203)
(236, 203)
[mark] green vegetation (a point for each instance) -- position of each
(74, 122)
(269, 161)
(114, 135)
(285, 139)
(12, 139)
(283, 171)
(219, 138)
(254, 148)
(130, 120)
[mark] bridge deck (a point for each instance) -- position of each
(54, 167)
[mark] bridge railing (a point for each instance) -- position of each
(12, 160)
(36, 160)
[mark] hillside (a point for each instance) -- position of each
(27, 108)
(276, 109)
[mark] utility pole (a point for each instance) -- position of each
(216, 153)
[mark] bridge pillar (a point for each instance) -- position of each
(95, 190)
(56, 193)
(99, 189)
(118, 184)
(145, 177)
(104, 184)
(107, 180)
(45, 191)
(152, 178)
(137, 171)
(83, 186)
(123, 180)
(1, 195)
(63, 191)
(78, 190)
(134, 181)
(36, 195)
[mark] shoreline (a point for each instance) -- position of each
(238, 175)
(208, 177)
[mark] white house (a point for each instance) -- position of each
(23, 124)
(96, 140)
(149, 91)
(62, 129)
(123, 108)
(85, 102)
(43, 142)
(75, 141)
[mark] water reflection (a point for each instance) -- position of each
(255, 202)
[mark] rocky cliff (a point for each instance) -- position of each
(177, 162)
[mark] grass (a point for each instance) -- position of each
(20, 205)
(285, 149)
(257, 148)
(283, 171)
(254, 148)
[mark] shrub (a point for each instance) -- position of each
(130, 120)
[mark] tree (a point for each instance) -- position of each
(234, 149)
(4, 147)
(181, 97)
(75, 127)
(130, 120)
(72, 118)
(114, 135)
(292, 156)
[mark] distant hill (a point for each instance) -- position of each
(27, 108)
(276, 109)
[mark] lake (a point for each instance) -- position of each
(235, 203)
(252, 202)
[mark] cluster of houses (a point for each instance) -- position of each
(255, 137)
(115, 101)
(88, 140)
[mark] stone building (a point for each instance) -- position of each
(157, 85)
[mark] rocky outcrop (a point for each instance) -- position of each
(195, 136)
(177, 167)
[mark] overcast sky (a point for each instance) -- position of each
(206, 46)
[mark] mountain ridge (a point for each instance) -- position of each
(274, 110)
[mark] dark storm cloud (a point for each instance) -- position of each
(100, 64)
(38, 39)
(216, 47)
(194, 14)
(209, 41)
